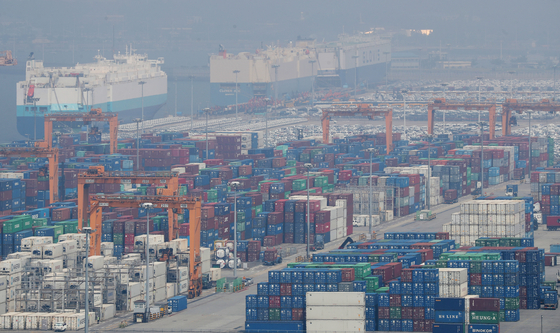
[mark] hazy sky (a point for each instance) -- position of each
(239, 22)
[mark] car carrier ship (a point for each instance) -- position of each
(116, 85)
(334, 64)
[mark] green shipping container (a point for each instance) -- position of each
(274, 314)
(11, 226)
(512, 303)
(372, 283)
(118, 239)
(484, 317)
(40, 222)
(395, 312)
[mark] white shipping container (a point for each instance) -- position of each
(215, 274)
(134, 289)
(171, 290)
(183, 287)
(71, 246)
(27, 243)
(6, 320)
(335, 299)
(206, 266)
(11, 266)
(182, 245)
(45, 321)
(3, 283)
(95, 262)
(108, 311)
(160, 268)
(328, 326)
(14, 280)
(97, 299)
(335, 312)
(160, 294)
(160, 281)
(52, 251)
(18, 321)
(204, 254)
(32, 321)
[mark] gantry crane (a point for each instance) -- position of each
(174, 205)
(361, 109)
(443, 104)
(512, 105)
(87, 118)
(97, 175)
(40, 150)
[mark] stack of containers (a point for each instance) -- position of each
(545, 188)
(487, 218)
(451, 179)
(529, 207)
(418, 289)
(341, 311)
(486, 311)
(453, 282)
(449, 315)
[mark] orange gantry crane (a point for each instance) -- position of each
(40, 150)
(362, 109)
(443, 104)
(97, 175)
(87, 118)
(512, 105)
(174, 205)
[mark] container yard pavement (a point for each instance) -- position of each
(226, 312)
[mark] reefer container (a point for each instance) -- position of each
(335, 325)
(335, 312)
(336, 299)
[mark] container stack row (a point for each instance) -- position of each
(487, 218)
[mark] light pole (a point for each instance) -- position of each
(308, 166)
(511, 72)
(370, 151)
(312, 62)
(175, 96)
(404, 111)
(142, 83)
(87, 231)
(355, 57)
(266, 126)
(481, 158)
(554, 91)
(530, 146)
(479, 78)
(429, 173)
(137, 121)
(444, 111)
(236, 72)
(147, 207)
(35, 99)
(386, 53)
(192, 102)
(206, 110)
(234, 185)
(275, 82)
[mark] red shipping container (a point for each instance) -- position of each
(523, 303)
(383, 312)
(288, 217)
(418, 326)
(184, 229)
(242, 256)
(406, 275)
(279, 205)
(285, 289)
(428, 325)
(475, 279)
(269, 241)
(347, 274)
(417, 313)
(323, 228)
(254, 246)
(274, 302)
(298, 314)
(62, 214)
(129, 239)
(406, 313)
(289, 237)
(484, 304)
(395, 300)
